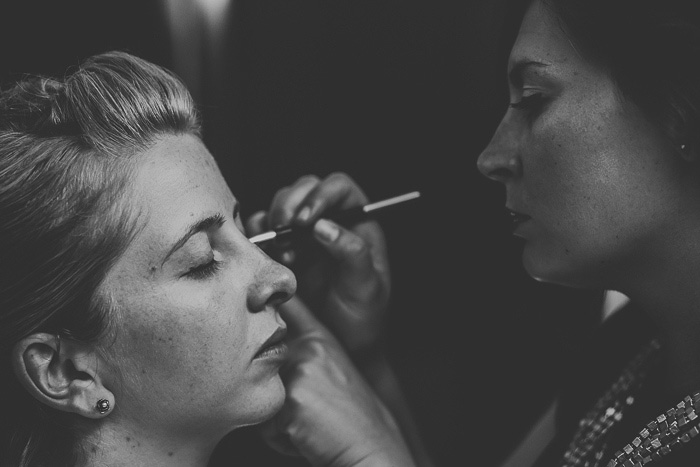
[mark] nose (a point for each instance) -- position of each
(273, 284)
(500, 160)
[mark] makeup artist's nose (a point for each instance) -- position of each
(500, 160)
(273, 284)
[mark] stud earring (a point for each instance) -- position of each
(102, 406)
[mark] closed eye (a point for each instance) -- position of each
(215, 221)
(531, 102)
(204, 271)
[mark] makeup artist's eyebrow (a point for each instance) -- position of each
(515, 75)
(199, 226)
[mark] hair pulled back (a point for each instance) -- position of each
(67, 152)
(651, 49)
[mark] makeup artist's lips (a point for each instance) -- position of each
(274, 347)
(516, 218)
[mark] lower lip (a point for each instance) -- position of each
(516, 225)
(274, 352)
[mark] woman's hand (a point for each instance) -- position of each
(343, 273)
(331, 416)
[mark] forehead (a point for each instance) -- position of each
(179, 167)
(541, 38)
(176, 183)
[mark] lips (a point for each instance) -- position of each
(274, 344)
(516, 218)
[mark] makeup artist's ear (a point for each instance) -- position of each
(62, 373)
(687, 153)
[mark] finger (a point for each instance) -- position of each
(337, 191)
(277, 439)
(361, 261)
(286, 202)
(256, 223)
(300, 320)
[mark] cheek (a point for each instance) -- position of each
(591, 196)
(575, 169)
(183, 338)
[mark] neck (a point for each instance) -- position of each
(670, 295)
(118, 446)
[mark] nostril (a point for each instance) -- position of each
(278, 297)
(499, 174)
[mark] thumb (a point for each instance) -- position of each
(276, 438)
(300, 320)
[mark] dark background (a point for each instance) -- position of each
(401, 95)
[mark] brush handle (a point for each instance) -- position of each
(346, 217)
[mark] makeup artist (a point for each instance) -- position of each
(138, 323)
(599, 153)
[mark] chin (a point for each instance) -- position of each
(274, 403)
(552, 270)
(263, 403)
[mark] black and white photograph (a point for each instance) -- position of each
(350, 233)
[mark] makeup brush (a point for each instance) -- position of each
(345, 217)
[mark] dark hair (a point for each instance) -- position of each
(651, 49)
(67, 152)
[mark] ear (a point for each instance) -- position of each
(62, 373)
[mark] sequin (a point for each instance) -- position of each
(666, 433)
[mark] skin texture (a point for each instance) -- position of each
(346, 278)
(612, 203)
(595, 176)
(332, 415)
(181, 368)
(186, 344)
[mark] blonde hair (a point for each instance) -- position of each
(67, 152)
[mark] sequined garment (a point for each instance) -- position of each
(667, 433)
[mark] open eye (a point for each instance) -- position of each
(205, 270)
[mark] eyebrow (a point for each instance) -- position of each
(199, 226)
(515, 75)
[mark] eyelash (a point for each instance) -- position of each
(204, 271)
(531, 103)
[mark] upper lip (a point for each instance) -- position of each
(274, 339)
(516, 216)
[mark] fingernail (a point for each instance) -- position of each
(304, 214)
(287, 257)
(326, 230)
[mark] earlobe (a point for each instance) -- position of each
(687, 153)
(62, 374)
